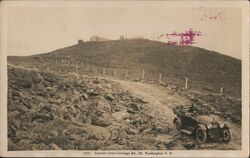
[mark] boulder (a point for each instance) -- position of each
(74, 136)
(103, 121)
(109, 97)
(102, 104)
(134, 106)
(54, 147)
(37, 78)
(189, 145)
(85, 96)
(12, 146)
(23, 83)
(17, 123)
(42, 117)
(92, 92)
(139, 100)
(131, 131)
(26, 102)
(13, 114)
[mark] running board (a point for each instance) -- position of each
(186, 131)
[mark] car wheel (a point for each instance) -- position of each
(225, 135)
(178, 124)
(201, 135)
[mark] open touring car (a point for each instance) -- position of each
(204, 127)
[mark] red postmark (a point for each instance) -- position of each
(180, 38)
(209, 14)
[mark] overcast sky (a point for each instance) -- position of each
(33, 30)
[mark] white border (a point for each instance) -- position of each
(176, 153)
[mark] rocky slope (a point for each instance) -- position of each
(53, 111)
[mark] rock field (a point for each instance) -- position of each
(48, 111)
(52, 111)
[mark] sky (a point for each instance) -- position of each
(33, 30)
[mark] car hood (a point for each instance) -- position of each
(204, 119)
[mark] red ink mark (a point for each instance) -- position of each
(183, 38)
(209, 14)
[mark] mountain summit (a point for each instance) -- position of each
(177, 62)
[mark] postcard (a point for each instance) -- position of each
(124, 78)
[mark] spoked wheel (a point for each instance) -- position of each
(178, 124)
(225, 135)
(201, 135)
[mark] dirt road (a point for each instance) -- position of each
(161, 101)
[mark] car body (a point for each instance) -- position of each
(204, 127)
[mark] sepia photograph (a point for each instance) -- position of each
(125, 78)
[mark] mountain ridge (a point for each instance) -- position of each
(174, 61)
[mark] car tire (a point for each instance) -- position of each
(225, 135)
(201, 135)
(178, 124)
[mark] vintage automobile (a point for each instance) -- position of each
(203, 127)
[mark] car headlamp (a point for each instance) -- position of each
(222, 125)
(209, 126)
